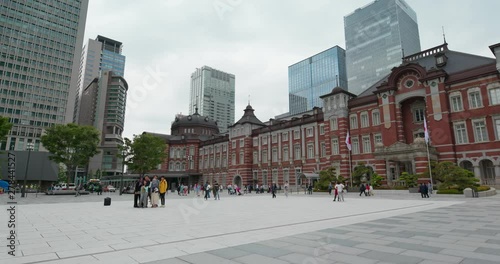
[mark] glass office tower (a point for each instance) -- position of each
(313, 77)
(99, 55)
(377, 35)
(40, 48)
(212, 92)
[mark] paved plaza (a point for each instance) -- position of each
(391, 227)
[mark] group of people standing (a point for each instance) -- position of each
(150, 191)
(338, 191)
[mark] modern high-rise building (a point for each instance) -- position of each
(377, 37)
(313, 77)
(40, 48)
(101, 100)
(212, 92)
(98, 55)
(102, 106)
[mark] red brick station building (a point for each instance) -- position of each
(457, 93)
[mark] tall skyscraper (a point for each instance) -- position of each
(40, 48)
(212, 92)
(101, 100)
(102, 106)
(98, 55)
(377, 37)
(313, 77)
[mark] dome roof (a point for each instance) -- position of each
(195, 120)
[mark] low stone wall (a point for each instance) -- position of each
(469, 194)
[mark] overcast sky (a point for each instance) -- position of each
(164, 41)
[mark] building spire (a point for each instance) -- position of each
(337, 80)
(444, 36)
(248, 99)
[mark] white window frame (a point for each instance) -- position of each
(495, 96)
(255, 157)
(323, 149)
(456, 102)
(242, 143)
(284, 136)
(376, 138)
(364, 119)
(353, 121)
(274, 155)
(309, 132)
(367, 144)
(233, 159)
(474, 102)
(496, 127)
(335, 146)
(461, 136)
(484, 136)
(322, 129)
(274, 138)
(375, 117)
(264, 140)
(310, 151)
(255, 141)
(242, 157)
(297, 152)
(296, 134)
(334, 124)
(355, 145)
(233, 144)
(264, 156)
(286, 154)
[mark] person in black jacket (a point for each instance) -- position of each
(273, 189)
(362, 189)
(137, 192)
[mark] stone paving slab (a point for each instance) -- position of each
(391, 229)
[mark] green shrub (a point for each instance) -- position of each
(483, 188)
(449, 191)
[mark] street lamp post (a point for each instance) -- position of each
(30, 146)
(124, 154)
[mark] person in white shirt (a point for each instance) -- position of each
(340, 191)
(286, 189)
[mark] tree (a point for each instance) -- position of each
(71, 145)
(146, 152)
(451, 175)
(376, 180)
(361, 171)
(61, 176)
(410, 180)
(325, 178)
(5, 127)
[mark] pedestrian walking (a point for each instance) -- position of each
(216, 191)
(137, 193)
(286, 189)
(339, 187)
(330, 187)
(207, 190)
(362, 189)
(335, 193)
(144, 194)
(273, 189)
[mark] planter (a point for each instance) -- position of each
(413, 189)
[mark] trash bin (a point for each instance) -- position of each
(107, 201)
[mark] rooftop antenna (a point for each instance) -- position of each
(444, 36)
(337, 80)
(402, 49)
(248, 99)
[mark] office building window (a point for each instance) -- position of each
(461, 133)
(367, 145)
(475, 98)
(285, 154)
(480, 133)
(335, 146)
(242, 143)
(242, 157)
(264, 156)
(494, 96)
(297, 152)
(354, 121)
(321, 129)
(333, 124)
(323, 149)
(309, 131)
(275, 138)
(310, 151)
(364, 119)
(275, 155)
(355, 145)
(255, 157)
(375, 118)
(233, 144)
(284, 136)
(264, 140)
(456, 102)
(377, 138)
(296, 134)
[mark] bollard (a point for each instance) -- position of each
(107, 201)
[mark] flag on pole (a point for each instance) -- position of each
(348, 141)
(426, 131)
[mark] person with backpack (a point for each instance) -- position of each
(216, 191)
